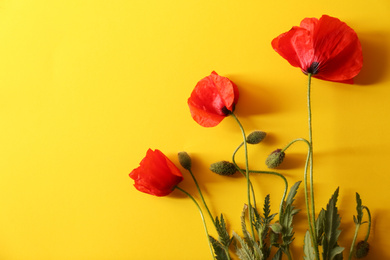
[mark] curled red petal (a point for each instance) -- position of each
(295, 46)
(212, 99)
(338, 49)
(156, 175)
(204, 117)
(327, 48)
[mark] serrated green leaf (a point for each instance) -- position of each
(218, 249)
(292, 193)
(247, 237)
(359, 209)
(320, 224)
(244, 252)
(335, 251)
(223, 234)
(339, 257)
(287, 215)
(331, 232)
(308, 248)
(267, 207)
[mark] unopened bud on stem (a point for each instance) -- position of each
(255, 137)
(184, 160)
(362, 249)
(275, 159)
(223, 168)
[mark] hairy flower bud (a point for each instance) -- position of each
(276, 228)
(184, 160)
(223, 168)
(255, 137)
(362, 249)
(275, 159)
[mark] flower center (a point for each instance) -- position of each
(225, 111)
(313, 69)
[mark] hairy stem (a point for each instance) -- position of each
(202, 216)
(243, 172)
(312, 221)
(353, 241)
(285, 186)
(202, 198)
(246, 174)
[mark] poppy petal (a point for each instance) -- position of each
(294, 45)
(203, 117)
(156, 175)
(326, 47)
(212, 99)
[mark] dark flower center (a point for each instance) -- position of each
(225, 111)
(313, 69)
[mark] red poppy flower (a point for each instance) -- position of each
(327, 48)
(213, 98)
(156, 175)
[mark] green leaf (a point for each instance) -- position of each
(219, 251)
(308, 248)
(331, 231)
(223, 235)
(247, 237)
(244, 252)
(292, 193)
(336, 251)
(263, 223)
(267, 206)
(320, 224)
(359, 209)
(287, 215)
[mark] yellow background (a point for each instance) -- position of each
(88, 86)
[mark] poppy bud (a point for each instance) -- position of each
(275, 159)
(255, 137)
(362, 249)
(276, 228)
(184, 160)
(223, 168)
(156, 175)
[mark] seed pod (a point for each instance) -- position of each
(223, 168)
(184, 160)
(362, 249)
(255, 137)
(275, 159)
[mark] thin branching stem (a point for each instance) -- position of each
(246, 174)
(369, 223)
(202, 216)
(354, 240)
(202, 198)
(243, 173)
(313, 232)
(285, 186)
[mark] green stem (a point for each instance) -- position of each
(285, 185)
(243, 173)
(313, 212)
(247, 175)
(202, 216)
(369, 223)
(357, 230)
(311, 224)
(353, 241)
(288, 253)
(202, 198)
